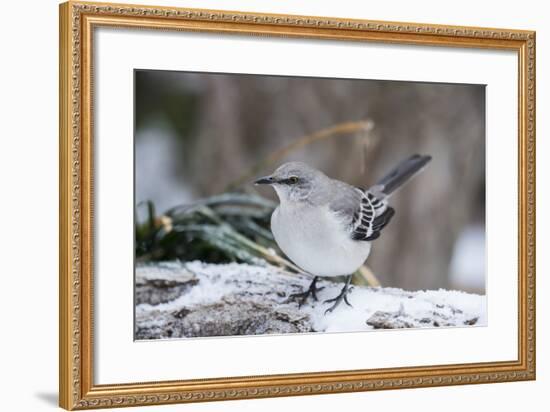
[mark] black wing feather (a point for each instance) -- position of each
(371, 218)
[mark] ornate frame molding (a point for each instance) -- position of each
(77, 21)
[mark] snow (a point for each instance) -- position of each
(155, 160)
(467, 268)
(270, 287)
(457, 308)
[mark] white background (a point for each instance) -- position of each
(28, 206)
(116, 353)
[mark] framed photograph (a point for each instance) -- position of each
(258, 205)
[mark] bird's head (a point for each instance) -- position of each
(293, 181)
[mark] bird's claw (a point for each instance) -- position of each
(302, 296)
(346, 299)
(343, 296)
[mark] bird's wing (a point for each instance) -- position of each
(374, 215)
(365, 212)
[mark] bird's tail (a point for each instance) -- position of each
(401, 174)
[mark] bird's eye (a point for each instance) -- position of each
(293, 180)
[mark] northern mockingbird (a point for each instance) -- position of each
(326, 226)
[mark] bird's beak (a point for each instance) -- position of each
(268, 180)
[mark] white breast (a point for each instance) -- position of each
(316, 240)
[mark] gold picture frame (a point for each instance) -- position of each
(76, 385)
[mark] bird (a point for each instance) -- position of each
(326, 226)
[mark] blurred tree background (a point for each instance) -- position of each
(197, 135)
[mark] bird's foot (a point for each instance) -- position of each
(343, 296)
(303, 296)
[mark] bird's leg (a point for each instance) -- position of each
(312, 290)
(341, 297)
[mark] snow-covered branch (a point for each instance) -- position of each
(192, 299)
